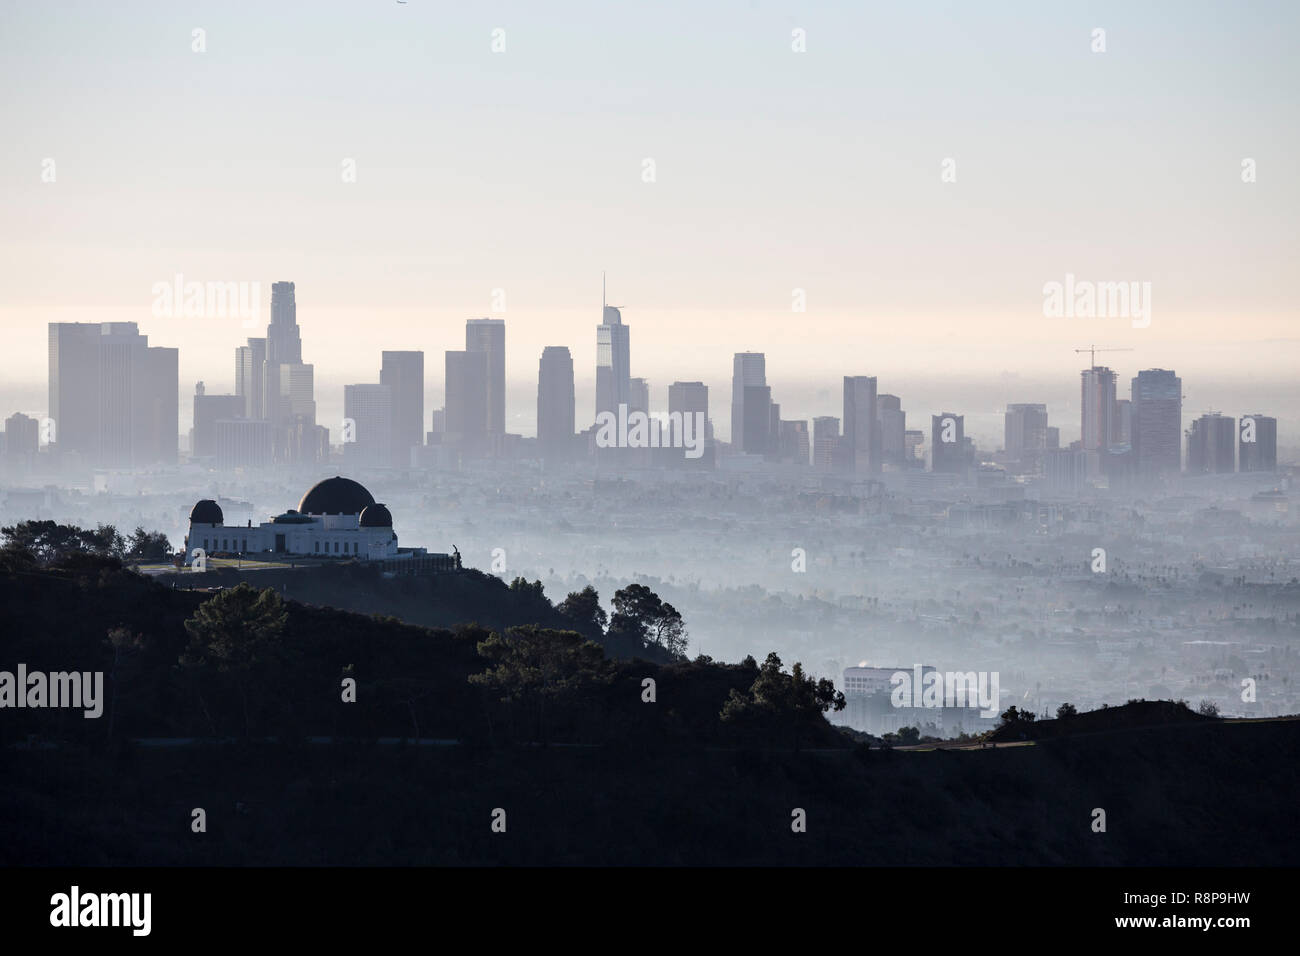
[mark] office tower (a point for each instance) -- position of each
(243, 443)
(555, 405)
(250, 377)
(947, 443)
(860, 441)
(756, 428)
(467, 400)
(22, 439)
(114, 399)
(291, 393)
(1123, 422)
(1157, 422)
(208, 410)
(1257, 436)
(283, 341)
(794, 441)
(403, 373)
(288, 384)
(1053, 438)
(1066, 469)
(689, 398)
(747, 369)
(826, 435)
(914, 440)
(1211, 445)
(1025, 435)
(1097, 414)
(369, 410)
(892, 421)
(613, 360)
(688, 408)
(638, 395)
(774, 429)
(489, 336)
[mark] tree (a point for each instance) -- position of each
(1012, 716)
(237, 635)
(532, 664)
(777, 700)
(1066, 711)
(909, 735)
(1208, 708)
(643, 615)
(582, 609)
(49, 543)
(148, 546)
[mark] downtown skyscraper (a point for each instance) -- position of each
(748, 370)
(1157, 422)
(489, 337)
(613, 359)
(861, 430)
(555, 404)
(114, 400)
(403, 374)
(1096, 414)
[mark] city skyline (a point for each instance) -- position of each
(382, 425)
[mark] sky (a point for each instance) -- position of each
(502, 182)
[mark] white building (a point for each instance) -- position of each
(338, 517)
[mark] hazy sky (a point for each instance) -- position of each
(523, 170)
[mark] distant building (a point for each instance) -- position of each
(243, 443)
(795, 445)
(22, 439)
(1025, 435)
(489, 336)
(1211, 445)
(467, 400)
(756, 403)
(208, 410)
(1066, 470)
(690, 400)
(403, 374)
(948, 443)
(915, 441)
(114, 399)
(826, 437)
(748, 370)
(1157, 398)
(368, 412)
(613, 359)
(250, 377)
(1097, 414)
(861, 439)
(891, 423)
(638, 395)
(556, 412)
(1257, 448)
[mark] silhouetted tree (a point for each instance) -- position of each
(643, 615)
(237, 634)
(532, 664)
(583, 609)
(777, 700)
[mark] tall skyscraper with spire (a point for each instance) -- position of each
(613, 360)
(278, 387)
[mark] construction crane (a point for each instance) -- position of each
(1092, 351)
